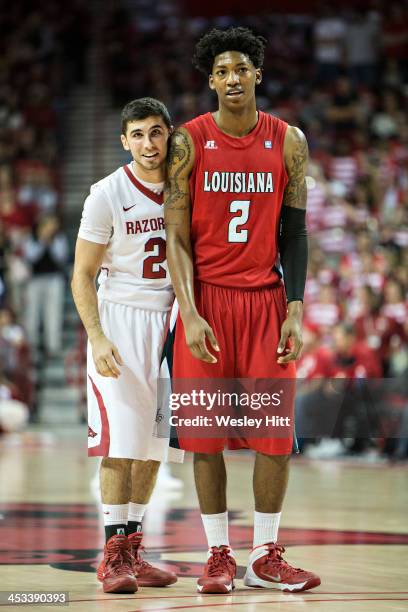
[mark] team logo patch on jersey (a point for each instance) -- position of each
(210, 144)
(268, 144)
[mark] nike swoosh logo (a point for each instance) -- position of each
(129, 207)
(274, 578)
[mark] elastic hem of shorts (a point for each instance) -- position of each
(136, 306)
(277, 285)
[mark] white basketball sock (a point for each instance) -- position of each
(266, 527)
(136, 512)
(115, 514)
(216, 529)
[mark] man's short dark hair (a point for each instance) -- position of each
(234, 39)
(143, 108)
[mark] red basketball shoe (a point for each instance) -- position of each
(115, 570)
(219, 573)
(269, 570)
(147, 575)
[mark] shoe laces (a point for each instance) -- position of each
(137, 549)
(219, 561)
(117, 557)
(275, 552)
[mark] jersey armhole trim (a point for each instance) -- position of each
(284, 130)
(194, 140)
(90, 237)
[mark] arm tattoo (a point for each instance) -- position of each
(179, 157)
(296, 192)
(176, 151)
(174, 193)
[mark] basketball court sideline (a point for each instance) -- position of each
(343, 520)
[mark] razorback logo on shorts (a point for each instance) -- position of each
(91, 432)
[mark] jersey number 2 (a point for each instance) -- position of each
(151, 265)
(234, 233)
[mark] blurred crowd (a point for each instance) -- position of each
(342, 76)
(38, 66)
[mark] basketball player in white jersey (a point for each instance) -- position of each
(122, 236)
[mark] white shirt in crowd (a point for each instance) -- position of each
(329, 33)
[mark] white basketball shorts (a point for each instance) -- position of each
(122, 412)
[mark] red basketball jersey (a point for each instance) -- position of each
(236, 187)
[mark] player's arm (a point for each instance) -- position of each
(88, 260)
(177, 217)
(293, 241)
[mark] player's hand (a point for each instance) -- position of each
(291, 334)
(106, 357)
(197, 331)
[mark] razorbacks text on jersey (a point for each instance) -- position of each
(237, 187)
(124, 214)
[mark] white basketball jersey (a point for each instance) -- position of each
(125, 215)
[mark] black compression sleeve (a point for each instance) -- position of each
(293, 251)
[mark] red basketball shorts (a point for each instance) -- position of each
(247, 325)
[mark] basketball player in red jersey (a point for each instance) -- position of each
(235, 198)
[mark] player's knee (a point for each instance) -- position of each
(280, 460)
(150, 465)
(208, 458)
(114, 463)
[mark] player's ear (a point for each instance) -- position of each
(258, 76)
(211, 81)
(124, 142)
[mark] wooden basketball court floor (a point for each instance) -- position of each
(345, 521)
